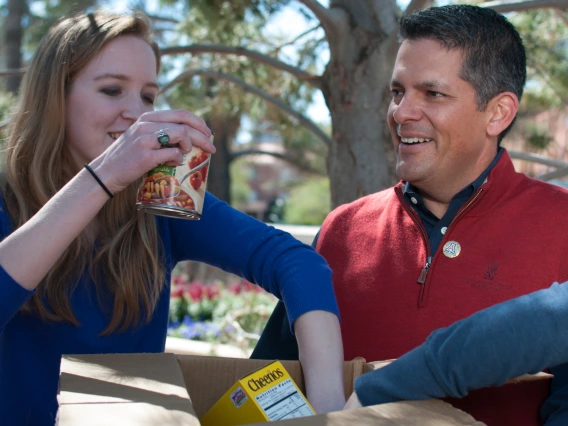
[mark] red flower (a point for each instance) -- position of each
(235, 288)
(247, 286)
(195, 291)
(178, 280)
(212, 291)
(177, 292)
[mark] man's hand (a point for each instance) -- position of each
(352, 402)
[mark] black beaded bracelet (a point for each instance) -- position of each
(98, 180)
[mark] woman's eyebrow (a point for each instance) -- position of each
(122, 77)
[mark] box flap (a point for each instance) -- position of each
(208, 378)
(124, 414)
(143, 385)
(375, 365)
(530, 378)
(352, 370)
(407, 413)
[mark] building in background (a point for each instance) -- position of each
(268, 176)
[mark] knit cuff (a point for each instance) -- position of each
(12, 297)
(408, 378)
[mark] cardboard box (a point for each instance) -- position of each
(168, 389)
(267, 394)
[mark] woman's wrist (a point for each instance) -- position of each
(100, 168)
(321, 355)
(50, 231)
(99, 181)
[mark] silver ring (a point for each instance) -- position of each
(163, 137)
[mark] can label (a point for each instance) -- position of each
(176, 191)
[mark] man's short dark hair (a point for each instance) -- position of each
(494, 59)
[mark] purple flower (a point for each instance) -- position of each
(187, 321)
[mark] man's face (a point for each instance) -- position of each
(439, 135)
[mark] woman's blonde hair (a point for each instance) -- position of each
(127, 255)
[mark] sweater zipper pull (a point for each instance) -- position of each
(424, 273)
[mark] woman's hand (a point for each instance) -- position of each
(49, 232)
(138, 150)
(321, 356)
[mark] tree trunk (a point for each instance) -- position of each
(13, 42)
(219, 180)
(356, 89)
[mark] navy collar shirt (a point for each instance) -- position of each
(436, 227)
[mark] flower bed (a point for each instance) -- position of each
(235, 314)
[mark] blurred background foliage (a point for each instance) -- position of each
(226, 105)
(253, 135)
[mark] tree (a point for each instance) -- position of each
(20, 21)
(361, 36)
(7, 102)
(308, 203)
(544, 33)
(362, 45)
(13, 41)
(201, 88)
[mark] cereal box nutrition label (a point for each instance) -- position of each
(283, 401)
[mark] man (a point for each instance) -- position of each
(462, 230)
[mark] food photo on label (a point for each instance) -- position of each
(176, 191)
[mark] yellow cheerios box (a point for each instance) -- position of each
(268, 394)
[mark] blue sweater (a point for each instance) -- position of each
(30, 349)
(523, 335)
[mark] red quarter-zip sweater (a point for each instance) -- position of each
(511, 238)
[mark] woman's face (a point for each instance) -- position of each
(108, 95)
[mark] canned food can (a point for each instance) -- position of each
(176, 191)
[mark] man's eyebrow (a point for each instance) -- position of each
(424, 85)
(122, 77)
(432, 85)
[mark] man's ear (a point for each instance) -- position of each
(503, 109)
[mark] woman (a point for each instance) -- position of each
(80, 270)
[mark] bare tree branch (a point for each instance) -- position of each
(521, 5)
(416, 5)
(4, 124)
(560, 172)
(543, 74)
(11, 72)
(561, 166)
(306, 122)
(322, 13)
(292, 160)
(313, 80)
(535, 158)
(163, 19)
(295, 39)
